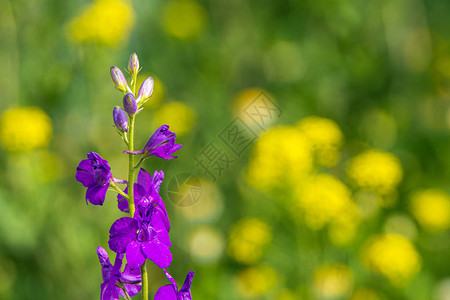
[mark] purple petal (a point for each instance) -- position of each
(188, 282)
(135, 257)
(158, 252)
(174, 283)
(96, 194)
(160, 228)
(109, 292)
(161, 211)
(122, 232)
(100, 161)
(166, 293)
(133, 289)
(157, 179)
(130, 275)
(122, 203)
(175, 147)
(84, 173)
(145, 180)
(103, 256)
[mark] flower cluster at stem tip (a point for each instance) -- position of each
(144, 234)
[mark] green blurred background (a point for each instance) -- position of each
(343, 195)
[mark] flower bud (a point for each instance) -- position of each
(129, 104)
(120, 119)
(133, 64)
(119, 80)
(146, 90)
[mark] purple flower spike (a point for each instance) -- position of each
(129, 104)
(160, 144)
(112, 275)
(119, 80)
(133, 64)
(120, 119)
(140, 238)
(170, 291)
(146, 90)
(95, 174)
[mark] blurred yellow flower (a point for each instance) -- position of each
(256, 281)
(321, 198)
(177, 115)
(332, 281)
(107, 22)
(326, 138)
(206, 244)
(208, 206)
(344, 225)
(25, 128)
(365, 294)
(393, 256)
(159, 90)
(431, 208)
(184, 19)
(248, 240)
(376, 171)
(280, 159)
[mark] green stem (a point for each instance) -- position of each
(131, 167)
(144, 276)
(117, 189)
(122, 287)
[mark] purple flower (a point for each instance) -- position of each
(120, 119)
(119, 80)
(146, 190)
(141, 237)
(170, 291)
(133, 64)
(160, 144)
(146, 90)
(95, 174)
(112, 275)
(129, 104)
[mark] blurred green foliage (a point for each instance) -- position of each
(379, 69)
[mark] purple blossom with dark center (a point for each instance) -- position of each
(141, 237)
(170, 291)
(130, 279)
(95, 174)
(160, 144)
(147, 189)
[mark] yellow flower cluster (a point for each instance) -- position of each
(180, 117)
(248, 239)
(184, 19)
(332, 281)
(107, 22)
(281, 158)
(431, 208)
(393, 256)
(324, 199)
(377, 171)
(256, 281)
(25, 129)
(326, 138)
